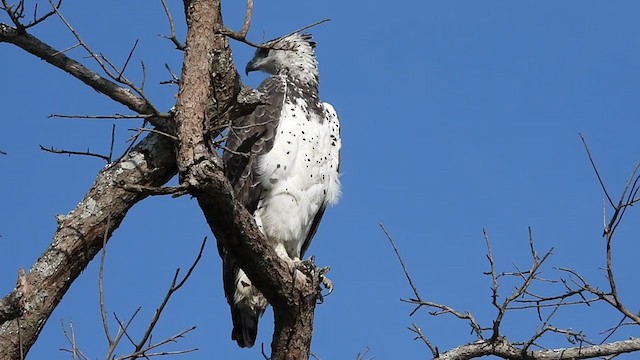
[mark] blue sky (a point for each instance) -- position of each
(456, 116)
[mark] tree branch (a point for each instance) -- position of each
(506, 350)
(208, 75)
(80, 235)
(56, 58)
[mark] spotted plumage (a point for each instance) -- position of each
(283, 161)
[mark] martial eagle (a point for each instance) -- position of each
(283, 162)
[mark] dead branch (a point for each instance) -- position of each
(117, 93)
(71, 338)
(172, 28)
(140, 130)
(144, 75)
(404, 268)
(80, 236)
(119, 78)
(141, 347)
(144, 352)
(419, 335)
(506, 350)
(124, 67)
(174, 79)
(499, 345)
(16, 13)
(70, 152)
(247, 19)
(103, 312)
(521, 290)
(241, 37)
(114, 116)
(595, 169)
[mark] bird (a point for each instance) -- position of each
(283, 161)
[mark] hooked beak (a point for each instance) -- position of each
(250, 67)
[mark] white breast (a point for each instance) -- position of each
(299, 175)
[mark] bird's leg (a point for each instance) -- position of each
(301, 267)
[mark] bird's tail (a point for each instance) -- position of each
(245, 323)
(246, 301)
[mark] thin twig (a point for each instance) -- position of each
(404, 268)
(239, 37)
(174, 79)
(155, 131)
(144, 75)
(595, 169)
(114, 116)
(125, 327)
(142, 352)
(492, 270)
(124, 67)
(69, 152)
(113, 139)
(419, 335)
(175, 286)
(120, 78)
(172, 28)
(66, 49)
(103, 312)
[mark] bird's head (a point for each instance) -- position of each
(291, 55)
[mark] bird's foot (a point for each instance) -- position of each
(326, 282)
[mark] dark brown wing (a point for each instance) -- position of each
(312, 230)
(249, 136)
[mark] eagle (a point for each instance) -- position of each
(283, 161)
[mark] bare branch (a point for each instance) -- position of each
(492, 271)
(71, 337)
(103, 312)
(174, 79)
(140, 130)
(506, 350)
(69, 152)
(172, 28)
(239, 36)
(80, 234)
(143, 352)
(444, 309)
(125, 327)
(124, 67)
(175, 286)
(595, 169)
(419, 335)
(113, 139)
(120, 77)
(74, 68)
(144, 75)
(247, 19)
(404, 268)
(114, 116)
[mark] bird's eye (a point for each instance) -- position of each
(262, 52)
